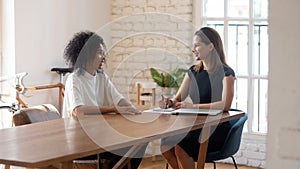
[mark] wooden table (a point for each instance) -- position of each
(42, 144)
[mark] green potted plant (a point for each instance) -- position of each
(168, 80)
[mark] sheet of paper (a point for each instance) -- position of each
(185, 111)
(197, 111)
(159, 110)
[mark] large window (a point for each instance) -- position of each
(243, 26)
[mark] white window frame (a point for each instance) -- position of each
(199, 19)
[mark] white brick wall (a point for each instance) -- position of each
(145, 34)
(158, 33)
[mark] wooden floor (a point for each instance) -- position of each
(159, 163)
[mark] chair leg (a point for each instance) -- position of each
(214, 165)
(99, 164)
(167, 165)
(234, 162)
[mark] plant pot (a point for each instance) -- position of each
(168, 92)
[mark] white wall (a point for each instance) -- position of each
(283, 143)
(8, 59)
(8, 38)
(0, 31)
(148, 34)
(42, 30)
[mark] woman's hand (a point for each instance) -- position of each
(183, 104)
(76, 113)
(127, 110)
(165, 103)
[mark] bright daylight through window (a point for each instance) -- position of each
(243, 25)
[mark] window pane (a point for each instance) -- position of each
(238, 47)
(218, 26)
(241, 94)
(260, 8)
(213, 8)
(263, 106)
(260, 50)
(238, 8)
(264, 52)
(232, 48)
(259, 123)
(247, 54)
(240, 97)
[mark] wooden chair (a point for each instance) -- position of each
(145, 91)
(42, 113)
(35, 114)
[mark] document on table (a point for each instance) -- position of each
(160, 110)
(185, 111)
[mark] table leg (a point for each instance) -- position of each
(125, 159)
(7, 166)
(204, 137)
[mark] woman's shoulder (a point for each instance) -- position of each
(101, 74)
(73, 79)
(192, 69)
(228, 71)
(72, 76)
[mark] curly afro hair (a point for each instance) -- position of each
(82, 48)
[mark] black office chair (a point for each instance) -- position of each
(231, 144)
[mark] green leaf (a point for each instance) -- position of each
(172, 79)
(157, 77)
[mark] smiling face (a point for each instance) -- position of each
(200, 50)
(100, 57)
(97, 61)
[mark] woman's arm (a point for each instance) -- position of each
(180, 95)
(183, 90)
(227, 96)
(123, 107)
(225, 103)
(81, 110)
(126, 107)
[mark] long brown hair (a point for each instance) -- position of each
(209, 35)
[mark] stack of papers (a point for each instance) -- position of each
(185, 111)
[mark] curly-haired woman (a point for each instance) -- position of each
(89, 90)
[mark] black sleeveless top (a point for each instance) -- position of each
(207, 87)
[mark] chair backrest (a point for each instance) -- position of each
(35, 114)
(148, 95)
(232, 141)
